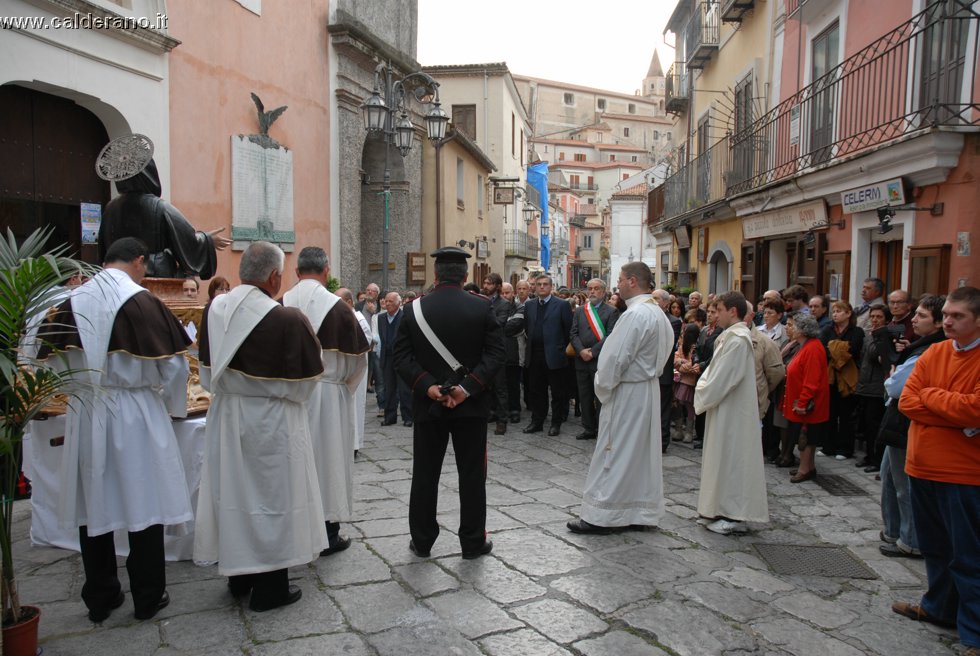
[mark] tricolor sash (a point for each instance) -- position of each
(595, 323)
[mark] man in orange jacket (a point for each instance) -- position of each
(942, 398)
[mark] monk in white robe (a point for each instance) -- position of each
(259, 510)
(733, 483)
(360, 394)
(331, 408)
(624, 486)
(121, 468)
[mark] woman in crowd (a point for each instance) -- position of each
(806, 401)
(772, 322)
(870, 390)
(685, 360)
(217, 287)
(899, 537)
(779, 421)
(677, 308)
(843, 341)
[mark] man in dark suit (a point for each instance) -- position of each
(502, 309)
(667, 377)
(592, 322)
(449, 401)
(396, 392)
(548, 323)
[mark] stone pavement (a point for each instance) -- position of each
(543, 591)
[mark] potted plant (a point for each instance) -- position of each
(31, 279)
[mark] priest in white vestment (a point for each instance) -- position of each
(259, 510)
(624, 486)
(121, 468)
(331, 408)
(733, 480)
(360, 395)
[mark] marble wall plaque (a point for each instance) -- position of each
(261, 193)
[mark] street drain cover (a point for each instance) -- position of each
(839, 486)
(814, 561)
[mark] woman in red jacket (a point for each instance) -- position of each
(806, 401)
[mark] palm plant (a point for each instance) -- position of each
(31, 279)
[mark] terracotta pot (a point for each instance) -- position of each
(21, 639)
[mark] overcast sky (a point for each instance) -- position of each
(605, 44)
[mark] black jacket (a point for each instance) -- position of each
(557, 325)
(894, 431)
(466, 325)
(582, 337)
(667, 375)
(502, 311)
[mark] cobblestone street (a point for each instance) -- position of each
(542, 591)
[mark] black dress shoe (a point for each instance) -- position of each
(387, 422)
(533, 428)
(871, 468)
(415, 550)
(407, 424)
(239, 586)
(515, 417)
(482, 551)
(100, 614)
(554, 430)
(341, 544)
(501, 428)
(586, 435)
(582, 526)
(153, 610)
(293, 595)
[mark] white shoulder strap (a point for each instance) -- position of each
(433, 338)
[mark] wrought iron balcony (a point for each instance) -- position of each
(583, 186)
(676, 88)
(577, 220)
(920, 76)
(732, 11)
(702, 34)
(518, 243)
(701, 182)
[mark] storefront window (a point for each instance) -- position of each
(928, 269)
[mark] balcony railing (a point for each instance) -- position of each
(701, 40)
(732, 11)
(676, 88)
(701, 182)
(518, 243)
(920, 75)
(577, 220)
(584, 186)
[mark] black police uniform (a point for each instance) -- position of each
(465, 324)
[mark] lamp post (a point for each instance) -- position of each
(379, 110)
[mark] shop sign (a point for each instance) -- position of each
(871, 197)
(785, 220)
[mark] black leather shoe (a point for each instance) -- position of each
(341, 544)
(586, 435)
(515, 417)
(554, 430)
(239, 587)
(482, 551)
(407, 424)
(501, 428)
(292, 596)
(871, 468)
(415, 550)
(386, 422)
(153, 610)
(100, 614)
(533, 428)
(582, 526)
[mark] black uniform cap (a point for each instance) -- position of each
(448, 254)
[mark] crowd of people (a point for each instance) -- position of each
(788, 381)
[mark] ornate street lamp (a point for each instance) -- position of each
(389, 99)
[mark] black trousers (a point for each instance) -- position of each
(870, 415)
(430, 439)
(515, 373)
(498, 401)
(587, 401)
(666, 400)
(540, 380)
(146, 567)
(396, 393)
(841, 424)
(268, 588)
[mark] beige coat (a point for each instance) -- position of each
(769, 368)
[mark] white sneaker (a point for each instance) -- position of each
(726, 527)
(840, 457)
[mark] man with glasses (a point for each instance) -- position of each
(900, 305)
